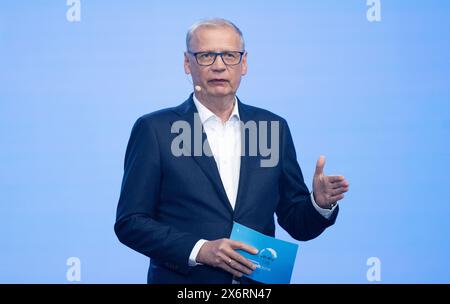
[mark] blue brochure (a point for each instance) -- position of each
(274, 260)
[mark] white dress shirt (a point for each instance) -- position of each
(224, 139)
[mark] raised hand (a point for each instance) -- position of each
(327, 190)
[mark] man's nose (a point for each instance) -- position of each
(218, 65)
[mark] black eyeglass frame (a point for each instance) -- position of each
(241, 53)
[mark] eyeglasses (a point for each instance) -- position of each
(208, 58)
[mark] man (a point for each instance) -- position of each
(178, 208)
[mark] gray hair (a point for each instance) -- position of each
(214, 22)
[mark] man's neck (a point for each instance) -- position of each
(220, 106)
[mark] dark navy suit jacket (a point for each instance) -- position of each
(167, 203)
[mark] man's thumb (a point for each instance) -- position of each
(320, 164)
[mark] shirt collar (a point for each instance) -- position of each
(205, 113)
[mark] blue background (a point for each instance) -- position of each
(372, 97)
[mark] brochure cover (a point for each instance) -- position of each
(275, 258)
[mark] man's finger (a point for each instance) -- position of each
(319, 165)
(337, 185)
(231, 270)
(336, 198)
(225, 265)
(335, 178)
(239, 266)
(241, 260)
(243, 246)
(338, 191)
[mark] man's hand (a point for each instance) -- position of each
(221, 253)
(327, 190)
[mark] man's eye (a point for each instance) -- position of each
(230, 55)
(206, 56)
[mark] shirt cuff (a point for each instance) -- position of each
(194, 253)
(326, 213)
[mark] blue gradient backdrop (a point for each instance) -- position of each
(373, 97)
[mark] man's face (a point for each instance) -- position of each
(218, 79)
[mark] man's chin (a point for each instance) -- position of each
(217, 92)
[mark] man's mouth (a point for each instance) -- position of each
(218, 81)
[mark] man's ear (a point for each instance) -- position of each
(187, 69)
(244, 64)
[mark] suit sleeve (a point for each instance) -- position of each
(136, 225)
(295, 211)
